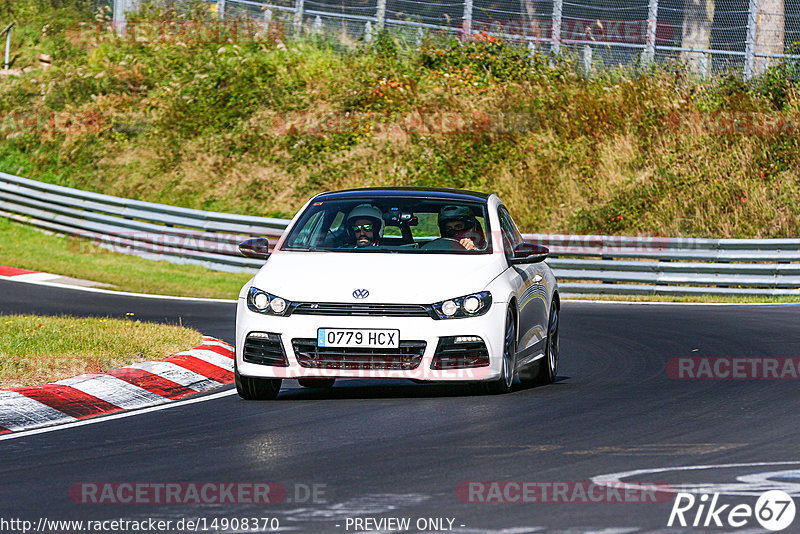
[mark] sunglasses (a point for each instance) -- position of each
(366, 227)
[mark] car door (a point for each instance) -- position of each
(532, 295)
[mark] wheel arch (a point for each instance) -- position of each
(512, 304)
(556, 300)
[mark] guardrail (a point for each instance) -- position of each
(583, 264)
(625, 265)
(6, 57)
(153, 231)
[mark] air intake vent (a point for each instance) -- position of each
(368, 310)
(459, 355)
(265, 349)
(407, 357)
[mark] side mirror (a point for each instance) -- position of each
(528, 253)
(257, 248)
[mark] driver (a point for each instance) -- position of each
(458, 223)
(364, 226)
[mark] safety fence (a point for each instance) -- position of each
(584, 265)
(710, 36)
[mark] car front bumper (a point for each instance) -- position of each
(489, 327)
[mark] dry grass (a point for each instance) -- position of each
(38, 349)
(600, 155)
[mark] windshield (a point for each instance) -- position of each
(396, 225)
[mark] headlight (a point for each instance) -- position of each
(262, 302)
(466, 306)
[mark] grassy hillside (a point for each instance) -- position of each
(223, 118)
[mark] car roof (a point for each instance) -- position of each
(411, 192)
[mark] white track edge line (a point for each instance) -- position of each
(110, 292)
(668, 303)
(103, 418)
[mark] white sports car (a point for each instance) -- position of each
(424, 284)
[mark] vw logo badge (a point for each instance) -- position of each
(360, 294)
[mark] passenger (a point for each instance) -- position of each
(458, 223)
(364, 225)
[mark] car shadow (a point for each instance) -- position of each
(390, 389)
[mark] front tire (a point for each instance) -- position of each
(250, 388)
(548, 367)
(506, 380)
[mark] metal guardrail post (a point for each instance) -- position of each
(467, 24)
(7, 31)
(298, 17)
(652, 21)
(220, 9)
(381, 14)
(750, 43)
(558, 6)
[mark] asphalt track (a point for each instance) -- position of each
(401, 450)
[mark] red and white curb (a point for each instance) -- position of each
(138, 385)
(24, 274)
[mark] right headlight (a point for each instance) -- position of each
(260, 301)
(471, 305)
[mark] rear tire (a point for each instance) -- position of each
(316, 382)
(548, 366)
(506, 380)
(250, 388)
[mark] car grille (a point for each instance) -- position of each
(407, 357)
(374, 310)
(265, 349)
(452, 355)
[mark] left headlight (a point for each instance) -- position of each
(467, 306)
(262, 302)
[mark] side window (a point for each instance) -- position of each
(511, 236)
(337, 222)
(310, 230)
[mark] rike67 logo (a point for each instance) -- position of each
(774, 510)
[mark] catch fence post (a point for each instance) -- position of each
(381, 15)
(558, 6)
(467, 24)
(750, 43)
(652, 21)
(298, 17)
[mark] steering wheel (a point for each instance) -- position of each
(444, 243)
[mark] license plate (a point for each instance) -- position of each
(358, 337)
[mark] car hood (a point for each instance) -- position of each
(389, 278)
